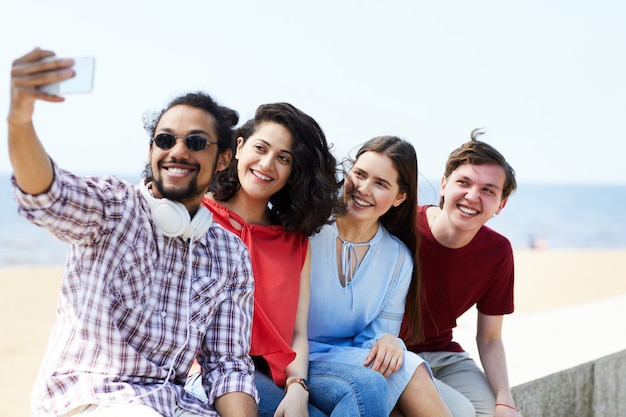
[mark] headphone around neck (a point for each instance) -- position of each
(173, 219)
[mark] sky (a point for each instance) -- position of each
(545, 79)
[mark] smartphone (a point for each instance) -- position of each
(82, 82)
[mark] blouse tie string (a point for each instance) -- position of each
(349, 263)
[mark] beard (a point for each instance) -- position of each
(190, 192)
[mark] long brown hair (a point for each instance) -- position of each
(401, 221)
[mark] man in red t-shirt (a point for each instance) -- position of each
(465, 263)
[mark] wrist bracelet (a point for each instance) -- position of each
(507, 406)
(301, 381)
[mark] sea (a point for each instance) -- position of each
(553, 216)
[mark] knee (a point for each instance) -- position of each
(348, 390)
(458, 404)
(371, 383)
(368, 394)
(460, 408)
(361, 383)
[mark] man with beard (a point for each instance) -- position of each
(150, 281)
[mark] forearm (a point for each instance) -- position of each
(295, 402)
(225, 355)
(299, 367)
(296, 399)
(493, 359)
(31, 165)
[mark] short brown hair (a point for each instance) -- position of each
(476, 152)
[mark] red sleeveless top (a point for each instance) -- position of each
(277, 259)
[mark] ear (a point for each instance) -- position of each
(442, 186)
(223, 160)
(399, 199)
(150, 153)
(502, 204)
(239, 146)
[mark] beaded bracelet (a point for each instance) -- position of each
(507, 406)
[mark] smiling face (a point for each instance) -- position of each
(472, 194)
(265, 161)
(372, 187)
(180, 174)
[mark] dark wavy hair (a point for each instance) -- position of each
(308, 199)
(401, 221)
(225, 119)
(476, 152)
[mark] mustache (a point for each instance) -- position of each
(178, 162)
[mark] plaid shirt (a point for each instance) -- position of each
(129, 305)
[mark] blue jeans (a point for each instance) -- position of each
(337, 390)
(271, 395)
(342, 390)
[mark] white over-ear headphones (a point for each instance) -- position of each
(172, 217)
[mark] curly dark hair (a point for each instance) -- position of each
(225, 119)
(306, 202)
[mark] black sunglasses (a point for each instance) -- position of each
(194, 143)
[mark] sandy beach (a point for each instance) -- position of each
(551, 286)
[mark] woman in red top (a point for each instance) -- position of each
(280, 188)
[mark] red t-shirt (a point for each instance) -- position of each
(454, 280)
(277, 258)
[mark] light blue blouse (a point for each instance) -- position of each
(346, 321)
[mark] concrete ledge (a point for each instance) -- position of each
(593, 389)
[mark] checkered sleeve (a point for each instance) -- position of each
(227, 362)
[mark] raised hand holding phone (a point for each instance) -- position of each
(82, 82)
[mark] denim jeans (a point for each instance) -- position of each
(271, 395)
(342, 390)
(337, 390)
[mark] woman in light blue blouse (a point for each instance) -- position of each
(362, 269)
